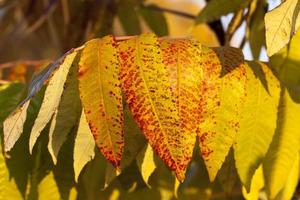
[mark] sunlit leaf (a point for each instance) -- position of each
(258, 120)
(145, 162)
(281, 24)
(284, 147)
(66, 115)
(48, 189)
(257, 184)
(160, 91)
(223, 93)
(13, 126)
(52, 98)
(205, 35)
(100, 93)
(291, 184)
(8, 187)
(84, 146)
(9, 98)
(286, 63)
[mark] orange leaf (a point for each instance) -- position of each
(100, 93)
(160, 79)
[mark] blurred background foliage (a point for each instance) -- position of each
(34, 32)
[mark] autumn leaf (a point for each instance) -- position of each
(13, 126)
(257, 184)
(84, 146)
(160, 91)
(52, 98)
(258, 120)
(145, 162)
(223, 93)
(101, 98)
(291, 183)
(284, 147)
(67, 113)
(281, 24)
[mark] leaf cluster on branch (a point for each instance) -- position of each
(178, 91)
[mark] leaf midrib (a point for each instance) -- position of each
(150, 99)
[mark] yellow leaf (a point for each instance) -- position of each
(13, 126)
(66, 115)
(281, 24)
(101, 98)
(223, 93)
(284, 147)
(145, 162)
(160, 80)
(257, 184)
(176, 188)
(52, 98)
(84, 146)
(205, 35)
(292, 181)
(8, 186)
(47, 188)
(258, 120)
(286, 63)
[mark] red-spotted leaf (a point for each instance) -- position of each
(100, 93)
(160, 79)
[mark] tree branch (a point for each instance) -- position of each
(167, 10)
(216, 25)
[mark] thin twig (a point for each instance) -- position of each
(25, 62)
(48, 10)
(66, 12)
(175, 12)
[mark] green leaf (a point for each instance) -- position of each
(284, 147)
(156, 20)
(10, 95)
(227, 175)
(63, 170)
(217, 8)
(146, 164)
(281, 24)
(287, 63)
(67, 113)
(258, 120)
(110, 175)
(84, 147)
(91, 179)
(51, 99)
(133, 135)
(257, 29)
(129, 18)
